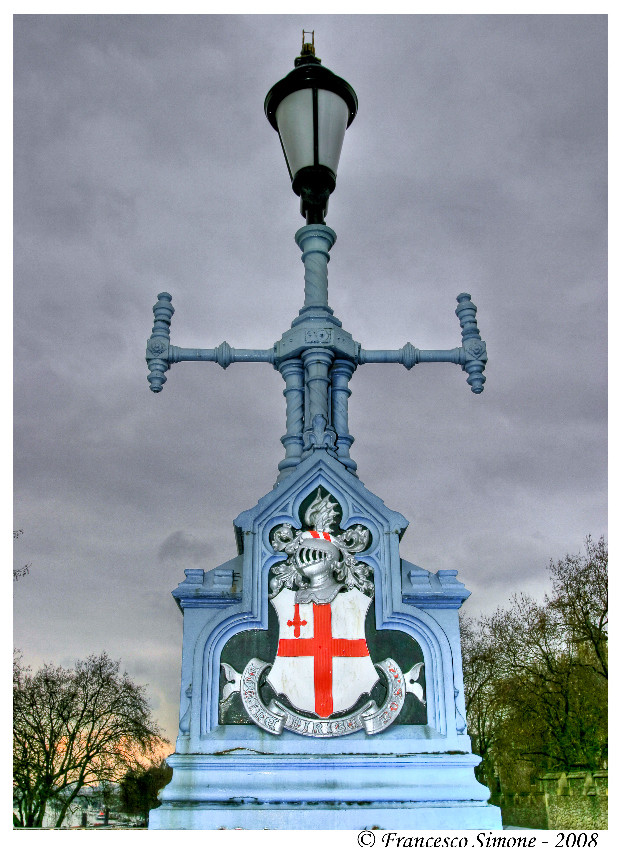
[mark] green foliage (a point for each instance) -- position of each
(580, 598)
(140, 786)
(72, 728)
(536, 676)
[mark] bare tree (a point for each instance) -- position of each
(536, 674)
(25, 569)
(483, 706)
(72, 728)
(553, 709)
(581, 597)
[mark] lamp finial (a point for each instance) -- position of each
(307, 47)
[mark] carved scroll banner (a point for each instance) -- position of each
(275, 717)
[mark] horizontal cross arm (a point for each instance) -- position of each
(472, 356)
(224, 354)
(160, 354)
(408, 355)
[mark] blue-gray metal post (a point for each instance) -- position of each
(316, 358)
(315, 242)
(342, 371)
(292, 371)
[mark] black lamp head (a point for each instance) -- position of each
(310, 109)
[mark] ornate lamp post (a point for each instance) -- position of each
(326, 713)
(310, 109)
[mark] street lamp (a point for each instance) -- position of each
(310, 109)
(318, 515)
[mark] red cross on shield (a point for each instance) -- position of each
(322, 664)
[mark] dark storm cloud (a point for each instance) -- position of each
(180, 546)
(143, 162)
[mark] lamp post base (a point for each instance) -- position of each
(254, 792)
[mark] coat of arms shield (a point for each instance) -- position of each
(321, 594)
(323, 664)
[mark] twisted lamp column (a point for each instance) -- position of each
(342, 371)
(292, 371)
(315, 242)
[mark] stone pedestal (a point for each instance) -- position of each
(247, 755)
(304, 792)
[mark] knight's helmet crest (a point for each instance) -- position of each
(321, 514)
(322, 548)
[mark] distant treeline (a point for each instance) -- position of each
(536, 677)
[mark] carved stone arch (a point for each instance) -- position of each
(436, 649)
(209, 645)
(283, 505)
(338, 492)
(414, 622)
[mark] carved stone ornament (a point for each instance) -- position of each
(461, 724)
(275, 717)
(184, 721)
(322, 667)
(320, 435)
(475, 348)
(156, 347)
(320, 562)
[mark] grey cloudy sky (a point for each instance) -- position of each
(144, 162)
